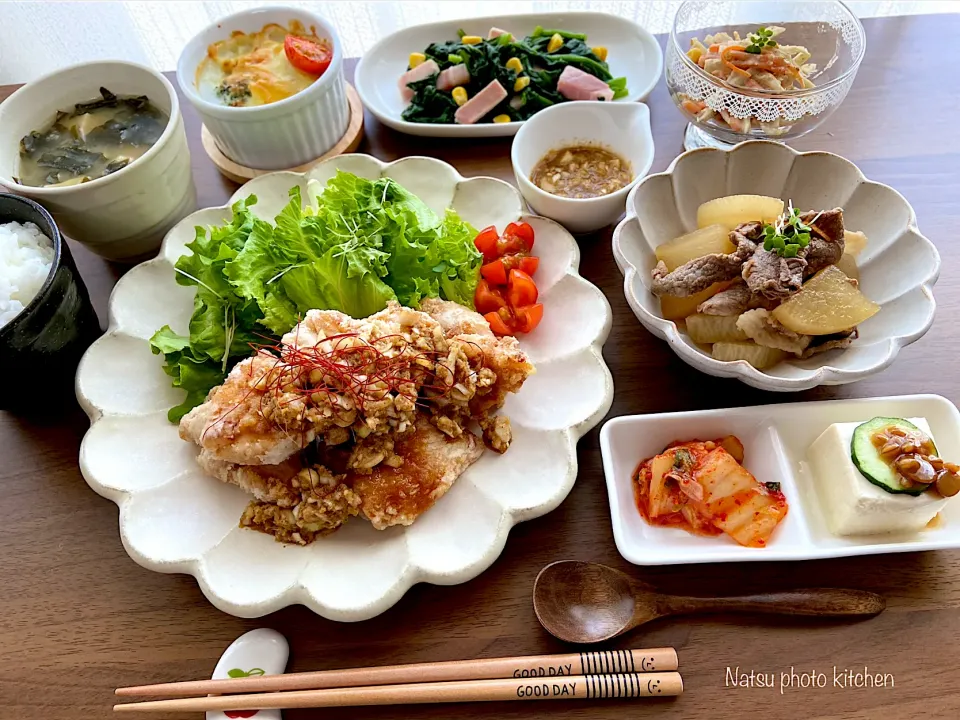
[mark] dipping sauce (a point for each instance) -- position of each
(581, 171)
(250, 69)
(95, 139)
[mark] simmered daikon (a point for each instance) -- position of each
(757, 355)
(733, 210)
(708, 329)
(848, 264)
(677, 308)
(828, 303)
(854, 242)
(680, 250)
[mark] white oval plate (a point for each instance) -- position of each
(898, 268)
(776, 439)
(633, 53)
(173, 518)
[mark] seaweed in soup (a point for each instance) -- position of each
(96, 139)
(73, 158)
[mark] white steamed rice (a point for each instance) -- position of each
(26, 255)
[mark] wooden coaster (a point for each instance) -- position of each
(241, 173)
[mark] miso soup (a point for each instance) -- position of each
(94, 139)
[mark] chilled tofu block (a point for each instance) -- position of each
(852, 505)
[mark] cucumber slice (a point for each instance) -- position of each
(867, 457)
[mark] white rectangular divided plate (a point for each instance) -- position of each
(776, 438)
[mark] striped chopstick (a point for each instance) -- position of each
(602, 662)
(580, 687)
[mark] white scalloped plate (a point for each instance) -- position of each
(898, 268)
(174, 519)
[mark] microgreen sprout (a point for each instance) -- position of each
(759, 40)
(788, 236)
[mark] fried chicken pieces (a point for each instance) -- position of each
(368, 416)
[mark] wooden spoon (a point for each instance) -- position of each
(584, 602)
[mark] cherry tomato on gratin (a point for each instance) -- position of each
(304, 54)
(507, 294)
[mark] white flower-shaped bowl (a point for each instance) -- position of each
(898, 267)
(175, 519)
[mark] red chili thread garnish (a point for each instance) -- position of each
(360, 371)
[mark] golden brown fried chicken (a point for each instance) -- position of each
(454, 318)
(298, 504)
(380, 408)
(233, 423)
(330, 372)
(294, 503)
(431, 464)
(503, 367)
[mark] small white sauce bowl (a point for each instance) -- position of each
(125, 215)
(284, 134)
(621, 128)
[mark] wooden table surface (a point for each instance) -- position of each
(79, 617)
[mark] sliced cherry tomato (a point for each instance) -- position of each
(487, 299)
(521, 290)
(517, 238)
(523, 231)
(495, 272)
(305, 54)
(529, 264)
(497, 324)
(528, 317)
(486, 242)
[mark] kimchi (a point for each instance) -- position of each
(702, 487)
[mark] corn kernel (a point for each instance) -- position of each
(417, 59)
(515, 65)
(601, 52)
(521, 83)
(459, 95)
(471, 39)
(556, 42)
(502, 118)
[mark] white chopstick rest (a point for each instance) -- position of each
(258, 652)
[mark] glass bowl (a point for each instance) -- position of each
(829, 30)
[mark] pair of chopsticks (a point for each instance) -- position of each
(583, 675)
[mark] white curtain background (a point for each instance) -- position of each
(40, 36)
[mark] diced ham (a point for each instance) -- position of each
(575, 84)
(496, 32)
(480, 104)
(420, 72)
(453, 76)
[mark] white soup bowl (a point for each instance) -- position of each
(125, 215)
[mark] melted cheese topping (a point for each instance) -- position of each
(249, 69)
